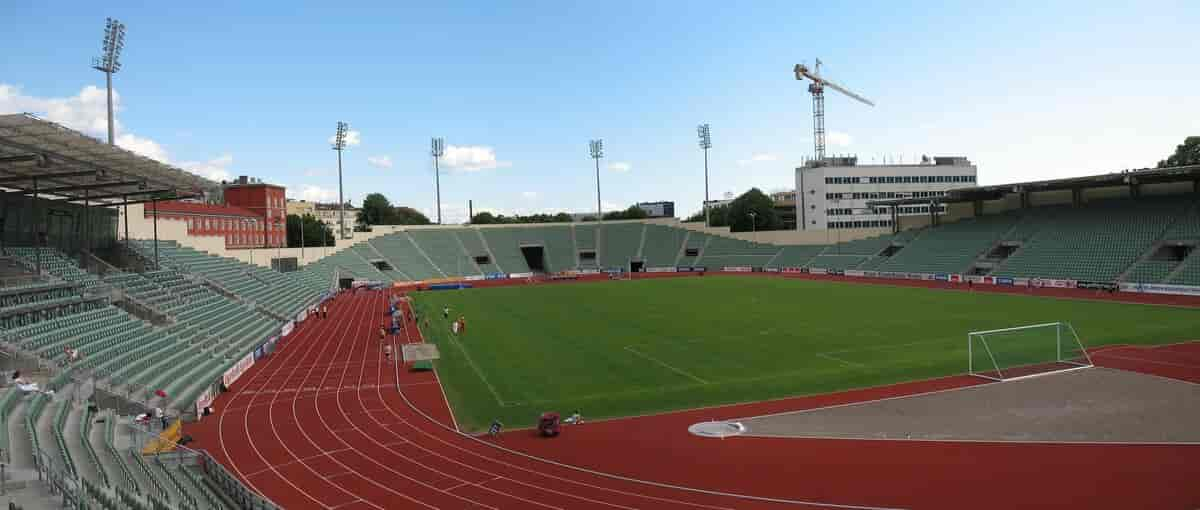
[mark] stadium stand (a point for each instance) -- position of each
(619, 244)
(1094, 243)
(472, 242)
(662, 245)
(726, 251)
(504, 245)
(445, 251)
(585, 239)
(950, 248)
(403, 255)
(796, 256)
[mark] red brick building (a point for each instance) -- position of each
(267, 201)
(255, 215)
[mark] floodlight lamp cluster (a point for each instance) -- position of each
(437, 147)
(109, 60)
(705, 136)
(596, 148)
(339, 138)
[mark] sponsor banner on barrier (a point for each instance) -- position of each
(1161, 288)
(956, 278)
(836, 272)
(699, 269)
(665, 269)
(793, 270)
(941, 277)
(474, 277)
(1052, 283)
(684, 269)
(520, 275)
(1020, 282)
(287, 328)
(1110, 286)
(771, 269)
(921, 276)
(987, 279)
(817, 270)
(589, 271)
(260, 352)
(854, 272)
(870, 274)
(231, 376)
(496, 276)
(204, 400)
(302, 315)
(737, 269)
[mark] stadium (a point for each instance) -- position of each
(166, 344)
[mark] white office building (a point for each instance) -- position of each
(835, 196)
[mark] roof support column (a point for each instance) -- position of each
(125, 205)
(154, 204)
(977, 207)
(36, 227)
(1076, 197)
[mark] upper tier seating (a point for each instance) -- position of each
(1095, 243)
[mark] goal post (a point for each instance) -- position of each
(1025, 351)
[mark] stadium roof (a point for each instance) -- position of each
(77, 167)
(1130, 177)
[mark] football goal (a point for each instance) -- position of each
(1025, 351)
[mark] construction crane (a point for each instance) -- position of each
(817, 88)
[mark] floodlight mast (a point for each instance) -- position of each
(109, 62)
(437, 149)
(705, 135)
(596, 149)
(339, 144)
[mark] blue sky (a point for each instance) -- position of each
(1028, 90)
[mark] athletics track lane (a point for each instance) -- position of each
(317, 426)
(900, 473)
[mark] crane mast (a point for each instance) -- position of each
(817, 89)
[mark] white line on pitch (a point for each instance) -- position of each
(664, 364)
(840, 360)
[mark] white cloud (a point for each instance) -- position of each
(86, 112)
(838, 139)
(529, 195)
(619, 166)
(215, 169)
(311, 193)
(472, 158)
(353, 138)
(143, 146)
(758, 157)
(384, 161)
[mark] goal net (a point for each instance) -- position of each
(1025, 351)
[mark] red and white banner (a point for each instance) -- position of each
(231, 376)
(793, 270)
(956, 278)
(817, 270)
(205, 400)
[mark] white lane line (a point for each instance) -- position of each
(665, 364)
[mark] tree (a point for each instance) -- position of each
(408, 216)
(376, 210)
(483, 218)
(1186, 154)
(632, 213)
(761, 205)
(316, 232)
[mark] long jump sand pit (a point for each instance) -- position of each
(1088, 405)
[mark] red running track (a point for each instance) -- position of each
(320, 425)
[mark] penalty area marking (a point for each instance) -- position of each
(664, 364)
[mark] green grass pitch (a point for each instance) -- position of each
(624, 348)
